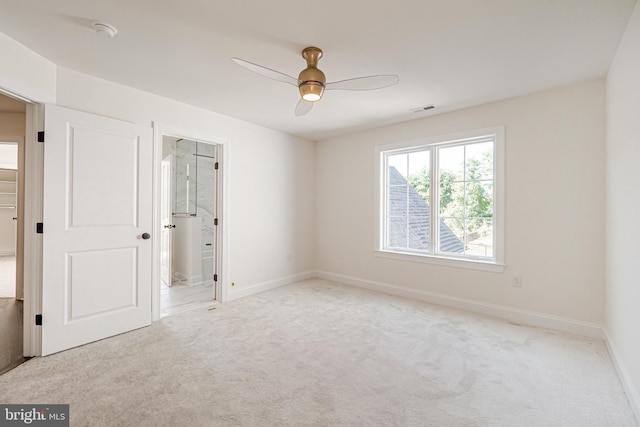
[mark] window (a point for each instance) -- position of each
(441, 199)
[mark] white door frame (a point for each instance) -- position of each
(160, 130)
(33, 198)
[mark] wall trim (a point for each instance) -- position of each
(524, 317)
(627, 384)
(271, 284)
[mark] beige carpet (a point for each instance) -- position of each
(318, 353)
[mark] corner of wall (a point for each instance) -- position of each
(627, 383)
(621, 172)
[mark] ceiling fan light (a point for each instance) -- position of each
(311, 91)
(311, 97)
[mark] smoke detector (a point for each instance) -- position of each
(104, 29)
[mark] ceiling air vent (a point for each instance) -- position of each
(422, 109)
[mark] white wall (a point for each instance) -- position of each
(622, 208)
(554, 206)
(270, 185)
(12, 124)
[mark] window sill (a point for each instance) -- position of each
(442, 260)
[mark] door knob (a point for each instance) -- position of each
(146, 236)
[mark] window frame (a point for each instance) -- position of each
(495, 264)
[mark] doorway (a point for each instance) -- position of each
(30, 211)
(8, 217)
(189, 251)
(12, 130)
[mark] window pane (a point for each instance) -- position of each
(479, 161)
(479, 199)
(419, 173)
(451, 198)
(419, 232)
(397, 199)
(452, 235)
(451, 161)
(466, 199)
(399, 163)
(480, 238)
(397, 232)
(408, 183)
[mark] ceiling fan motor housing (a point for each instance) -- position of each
(311, 79)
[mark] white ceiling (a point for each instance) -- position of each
(452, 54)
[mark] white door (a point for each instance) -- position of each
(97, 210)
(166, 217)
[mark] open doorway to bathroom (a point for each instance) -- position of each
(189, 220)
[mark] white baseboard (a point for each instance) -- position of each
(630, 389)
(508, 313)
(271, 284)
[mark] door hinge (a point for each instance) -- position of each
(216, 166)
(215, 277)
(215, 221)
(39, 227)
(41, 136)
(38, 319)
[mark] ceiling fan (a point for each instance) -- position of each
(312, 82)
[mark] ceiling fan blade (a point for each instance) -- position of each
(364, 83)
(266, 72)
(303, 107)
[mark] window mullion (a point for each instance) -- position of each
(434, 195)
(464, 199)
(408, 211)
(385, 201)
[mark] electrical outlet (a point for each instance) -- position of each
(517, 281)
